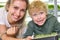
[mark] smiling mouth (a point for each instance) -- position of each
(16, 17)
(40, 20)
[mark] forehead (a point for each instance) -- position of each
(19, 3)
(12, 1)
(35, 10)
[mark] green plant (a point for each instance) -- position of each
(51, 7)
(1, 6)
(58, 7)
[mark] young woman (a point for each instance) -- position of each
(12, 19)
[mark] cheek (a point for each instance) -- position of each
(11, 9)
(44, 16)
(22, 15)
(34, 18)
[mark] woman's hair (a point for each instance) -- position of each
(20, 23)
(11, 2)
(39, 5)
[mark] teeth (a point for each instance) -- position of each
(15, 16)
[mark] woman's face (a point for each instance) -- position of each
(39, 17)
(17, 10)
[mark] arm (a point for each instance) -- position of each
(2, 29)
(29, 31)
(57, 27)
(4, 36)
(12, 31)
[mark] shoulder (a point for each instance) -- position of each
(2, 10)
(2, 15)
(31, 23)
(51, 20)
(51, 17)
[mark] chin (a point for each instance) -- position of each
(15, 20)
(41, 24)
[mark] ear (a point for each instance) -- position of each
(7, 7)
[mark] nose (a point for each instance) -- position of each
(18, 13)
(38, 16)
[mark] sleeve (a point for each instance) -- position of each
(29, 31)
(1, 17)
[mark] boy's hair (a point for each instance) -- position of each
(38, 5)
(11, 2)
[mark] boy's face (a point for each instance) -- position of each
(39, 17)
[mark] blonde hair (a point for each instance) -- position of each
(37, 5)
(19, 23)
(11, 2)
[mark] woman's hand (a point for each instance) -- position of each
(29, 38)
(12, 31)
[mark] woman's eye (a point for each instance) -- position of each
(23, 10)
(15, 7)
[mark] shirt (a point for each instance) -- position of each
(51, 25)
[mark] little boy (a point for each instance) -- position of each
(42, 22)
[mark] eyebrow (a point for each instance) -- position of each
(23, 9)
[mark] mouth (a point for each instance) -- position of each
(14, 17)
(41, 22)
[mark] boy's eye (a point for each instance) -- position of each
(41, 12)
(34, 14)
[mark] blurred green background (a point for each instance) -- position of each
(50, 7)
(1, 6)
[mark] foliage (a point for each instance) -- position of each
(1, 6)
(51, 7)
